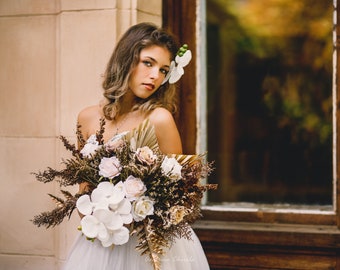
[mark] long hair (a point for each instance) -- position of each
(125, 58)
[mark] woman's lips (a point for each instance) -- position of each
(149, 86)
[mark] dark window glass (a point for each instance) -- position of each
(269, 66)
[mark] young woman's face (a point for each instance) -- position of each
(147, 76)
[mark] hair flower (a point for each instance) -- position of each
(176, 71)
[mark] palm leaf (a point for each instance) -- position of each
(152, 244)
(144, 135)
(187, 159)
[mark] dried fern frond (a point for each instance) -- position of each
(48, 175)
(58, 201)
(80, 137)
(68, 195)
(76, 171)
(207, 187)
(69, 146)
(64, 208)
(100, 132)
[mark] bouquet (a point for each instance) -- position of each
(132, 188)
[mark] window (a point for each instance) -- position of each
(296, 234)
(269, 70)
(262, 85)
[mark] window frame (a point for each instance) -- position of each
(180, 17)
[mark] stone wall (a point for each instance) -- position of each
(53, 54)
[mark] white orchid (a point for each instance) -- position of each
(106, 212)
(90, 147)
(177, 67)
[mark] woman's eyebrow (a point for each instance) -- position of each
(155, 61)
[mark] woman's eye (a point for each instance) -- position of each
(164, 71)
(147, 63)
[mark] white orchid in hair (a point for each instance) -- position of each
(176, 71)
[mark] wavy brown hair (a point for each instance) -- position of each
(125, 58)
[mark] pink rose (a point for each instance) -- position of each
(109, 167)
(134, 187)
(145, 155)
(113, 144)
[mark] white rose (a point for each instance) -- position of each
(142, 207)
(172, 168)
(109, 167)
(134, 187)
(89, 148)
(145, 155)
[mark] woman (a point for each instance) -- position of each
(136, 87)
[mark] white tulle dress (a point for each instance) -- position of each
(184, 254)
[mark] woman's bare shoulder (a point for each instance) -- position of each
(161, 116)
(89, 119)
(166, 131)
(90, 112)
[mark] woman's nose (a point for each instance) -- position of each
(154, 73)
